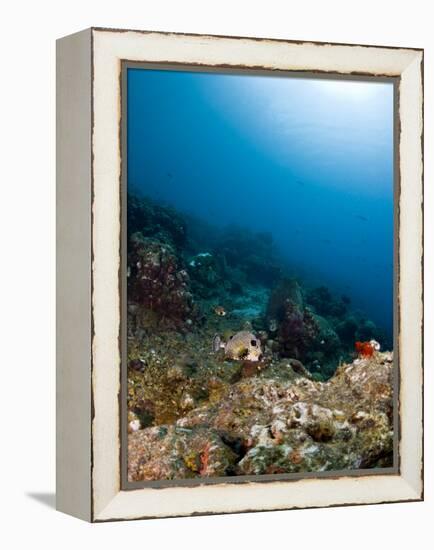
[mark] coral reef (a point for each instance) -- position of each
(298, 331)
(207, 275)
(172, 452)
(157, 281)
(326, 304)
(235, 368)
(252, 253)
(260, 425)
(153, 220)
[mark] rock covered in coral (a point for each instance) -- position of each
(265, 426)
(299, 426)
(207, 274)
(347, 326)
(368, 330)
(326, 340)
(165, 381)
(173, 452)
(344, 424)
(326, 304)
(299, 332)
(156, 221)
(157, 281)
(287, 291)
(252, 253)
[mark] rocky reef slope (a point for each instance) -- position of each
(262, 425)
(307, 404)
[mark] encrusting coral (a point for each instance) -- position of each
(157, 281)
(299, 331)
(261, 426)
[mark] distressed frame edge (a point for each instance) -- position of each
(253, 38)
(412, 491)
(411, 206)
(73, 275)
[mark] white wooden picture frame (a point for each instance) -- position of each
(89, 165)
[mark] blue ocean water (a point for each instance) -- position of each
(309, 160)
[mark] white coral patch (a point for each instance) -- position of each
(312, 450)
(277, 427)
(261, 435)
(134, 426)
(301, 413)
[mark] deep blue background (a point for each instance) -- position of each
(309, 160)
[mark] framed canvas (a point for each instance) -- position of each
(239, 274)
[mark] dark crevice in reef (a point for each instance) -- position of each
(237, 444)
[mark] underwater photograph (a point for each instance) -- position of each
(259, 274)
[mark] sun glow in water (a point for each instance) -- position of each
(349, 90)
(309, 160)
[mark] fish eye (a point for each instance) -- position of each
(253, 342)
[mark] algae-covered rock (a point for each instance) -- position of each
(226, 418)
(155, 220)
(345, 423)
(326, 304)
(165, 381)
(252, 253)
(171, 452)
(207, 275)
(294, 325)
(302, 425)
(300, 332)
(157, 282)
(196, 413)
